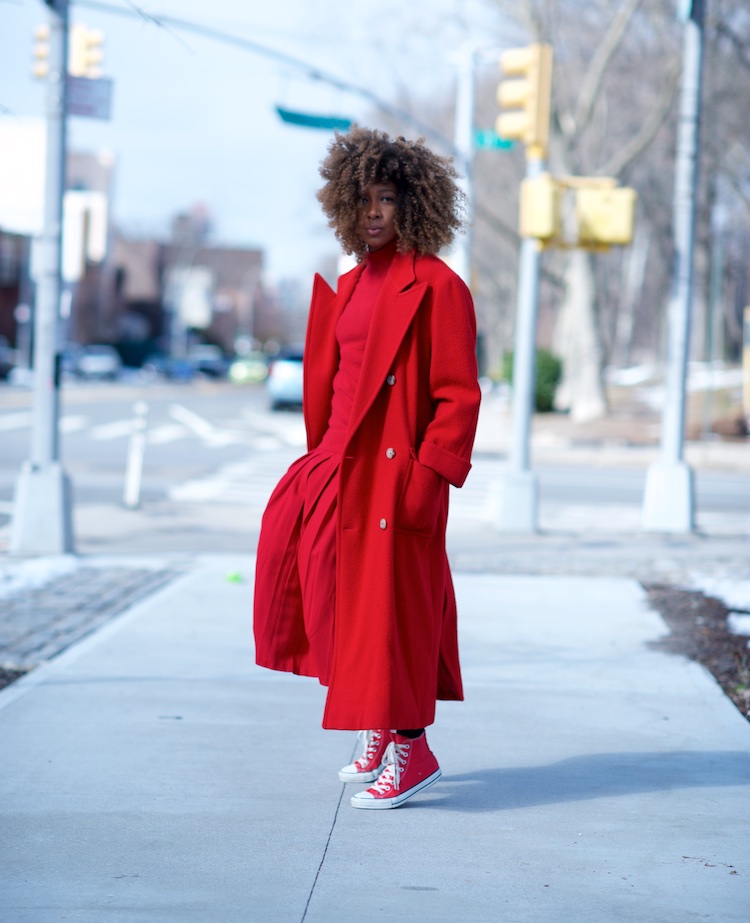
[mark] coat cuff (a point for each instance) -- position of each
(447, 464)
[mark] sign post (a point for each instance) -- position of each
(668, 500)
(42, 514)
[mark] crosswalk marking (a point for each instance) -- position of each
(245, 483)
(74, 423)
(11, 421)
(275, 442)
(259, 432)
(115, 430)
(281, 429)
(163, 435)
(250, 483)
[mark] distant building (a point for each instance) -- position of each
(140, 294)
(185, 294)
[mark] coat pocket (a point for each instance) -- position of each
(421, 499)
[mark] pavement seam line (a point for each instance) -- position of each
(325, 853)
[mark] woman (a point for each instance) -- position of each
(352, 581)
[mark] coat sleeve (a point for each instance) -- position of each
(448, 438)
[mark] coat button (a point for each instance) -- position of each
(390, 452)
(383, 524)
(391, 379)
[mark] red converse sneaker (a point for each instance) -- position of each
(411, 768)
(369, 766)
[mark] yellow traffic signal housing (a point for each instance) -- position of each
(41, 51)
(85, 52)
(541, 208)
(527, 93)
(605, 216)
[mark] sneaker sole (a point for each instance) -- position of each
(361, 776)
(382, 804)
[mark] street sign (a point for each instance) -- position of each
(308, 120)
(90, 99)
(489, 140)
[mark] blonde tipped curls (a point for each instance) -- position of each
(430, 203)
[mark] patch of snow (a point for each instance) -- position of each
(733, 592)
(17, 576)
(709, 376)
(634, 375)
(739, 623)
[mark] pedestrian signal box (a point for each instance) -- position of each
(605, 216)
(541, 208)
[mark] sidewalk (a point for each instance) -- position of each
(152, 772)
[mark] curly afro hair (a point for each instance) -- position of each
(430, 204)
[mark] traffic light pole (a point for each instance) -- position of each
(518, 488)
(464, 144)
(668, 503)
(42, 515)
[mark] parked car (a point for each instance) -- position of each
(7, 358)
(208, 360)
(249, 369)
(284, 382)
(157, 365)
(98, 362)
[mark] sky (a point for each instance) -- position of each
(193, 120)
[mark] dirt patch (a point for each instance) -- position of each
(10, 676)
(700, 631)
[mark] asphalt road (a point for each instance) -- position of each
(214, 441)
(193, 430)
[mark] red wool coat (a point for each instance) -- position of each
(410, 435)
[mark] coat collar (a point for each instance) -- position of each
(397, 304)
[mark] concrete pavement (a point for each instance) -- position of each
(152, 772)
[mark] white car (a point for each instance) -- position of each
(284, 382)
(98, 362)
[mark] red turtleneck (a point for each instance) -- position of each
(351, 333)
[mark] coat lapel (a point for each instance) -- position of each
(393, 313)
(321, 351)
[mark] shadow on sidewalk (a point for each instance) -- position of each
(603, 775)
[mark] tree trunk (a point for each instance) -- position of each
(581, 390)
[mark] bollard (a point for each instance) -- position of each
(136, 448)
(746, 364)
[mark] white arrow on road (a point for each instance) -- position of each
(203, 429)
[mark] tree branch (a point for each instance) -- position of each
(657, 115)
(739, 186)
(739, 44)
(592, 82)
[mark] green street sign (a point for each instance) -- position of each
(307, 120)
(489, 140)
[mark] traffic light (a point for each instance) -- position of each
(41, 52)
(85, 52)
(605, 216)
(527, 94)
(541, 208)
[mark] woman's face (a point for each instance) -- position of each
(377, 215)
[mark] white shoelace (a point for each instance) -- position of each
(371, 741)
(390, 777)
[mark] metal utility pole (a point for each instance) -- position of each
(464, 144)
(668, 503)
(528, 92)
(42, 516)
(518, 494)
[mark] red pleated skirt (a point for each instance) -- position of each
(304, 503)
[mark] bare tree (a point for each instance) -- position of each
(616, 73)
